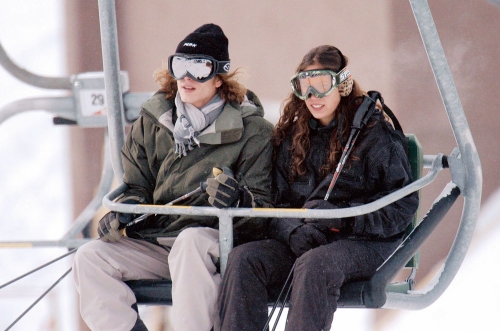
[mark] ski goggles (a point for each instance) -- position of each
(198, 67)
(318, 82)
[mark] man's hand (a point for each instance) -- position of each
(223, 190)
(306, 237)
(109, 227)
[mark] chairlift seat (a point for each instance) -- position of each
(368, 294)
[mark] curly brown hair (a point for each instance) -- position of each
(295, 116)
(230, 91)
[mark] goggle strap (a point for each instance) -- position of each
(223, 67)
(342, 75)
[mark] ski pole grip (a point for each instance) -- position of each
(217, 171)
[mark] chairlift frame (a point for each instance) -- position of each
(463, 162)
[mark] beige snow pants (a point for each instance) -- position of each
(100, 270)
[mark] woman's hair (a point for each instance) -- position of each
(230, 91)
(295, 116)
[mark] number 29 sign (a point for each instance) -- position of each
(93, 102)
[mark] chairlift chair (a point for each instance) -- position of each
(376, 292)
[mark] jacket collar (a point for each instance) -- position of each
(316, 126)
(227, 128)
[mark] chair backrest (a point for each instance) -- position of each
(416, 157)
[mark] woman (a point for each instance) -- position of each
(200, 119)
(309, 139)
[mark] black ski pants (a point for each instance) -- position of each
(256, 271)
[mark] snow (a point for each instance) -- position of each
(35, 204)
(472, 300)
(34, 172)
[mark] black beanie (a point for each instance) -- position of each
(208, 39)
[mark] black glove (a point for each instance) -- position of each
(332, 224)
(224, 191)
(319, 204)
(304, 238)
(110, 225)
(282, 228)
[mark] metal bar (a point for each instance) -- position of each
(56, 83)
(39, 268)
(65, 106)
(132, 102)
(427, 160)
(470, 159)
(225, 238)
(88, 213)
(273, 212)
(387, 271)
(112, 82)
(60, 106)
(39, 298)
(70, 243)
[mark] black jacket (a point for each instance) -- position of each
(377, 166)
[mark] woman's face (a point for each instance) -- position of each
(322, 109)
(196, 93)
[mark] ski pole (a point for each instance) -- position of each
(340, 165)
(363, 114)
(288, 280)
(202, 188)
(282, 306)
(37, 300)
(40, 267)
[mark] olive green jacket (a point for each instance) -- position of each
(240, 139)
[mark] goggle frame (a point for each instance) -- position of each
(337, 79)
(218, 67)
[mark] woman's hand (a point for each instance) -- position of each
(304, 238)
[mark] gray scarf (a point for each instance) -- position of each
(191, 121)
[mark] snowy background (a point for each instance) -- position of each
(34, 172)
(35, 204)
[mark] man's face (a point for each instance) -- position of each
(198, 94)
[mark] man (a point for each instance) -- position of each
(200, 118)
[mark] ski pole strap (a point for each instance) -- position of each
(376, 95)
(397, 126)
(360, 118)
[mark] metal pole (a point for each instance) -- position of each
(60, 106)
(114, 98)
(38, 300)
(470, 159)
(88, 213)
(225, 238)
(39, 268)
(24, 75)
